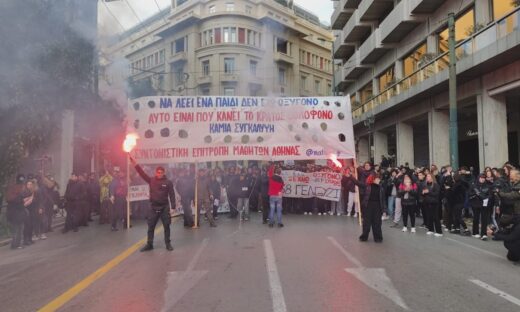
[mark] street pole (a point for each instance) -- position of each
(333, 72)
(454, 136)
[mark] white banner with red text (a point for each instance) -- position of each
(324, 185)
(200, 128)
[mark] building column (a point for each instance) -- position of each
(398, 69)
(362, 152)
(375, 86)
(380, 145)
(404, 135)
(439, 137)
(492, 130)
(432, 44)
(66, 149)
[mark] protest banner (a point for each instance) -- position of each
(138, 192)
(324, 185)
(200, 128)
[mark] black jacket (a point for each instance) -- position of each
(480, 192)
(432, 197)
(160, 189)
(367, 189)
(408, 198)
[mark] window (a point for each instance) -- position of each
(161, 56)
(218, 36)
(281, 76)
(366, 93)
(233, 34)
(308, 58)
(227, 34)
(329, 87)
(204, 91)
(178, 75)
(411, 62)
(282, 46)
(241, 35)
(386, 79)
(502, 7)
(252, 67)
(229, 65)
(321, 63)
(464, 27)
(212, 9)
(205, 68)
(228, 91)
(230, 6)
(179, 45)
(317, 86)
(303, 82)
(249, 9)
(156, 58)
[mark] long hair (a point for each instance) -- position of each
(372, 177)
(434, 180)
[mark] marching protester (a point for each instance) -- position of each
(372, 206)
(186, 188)
(349, 191)
(275, 192)
(215, 192)
(457, 198)
(203, 198)
(430, 195)
(244, 186)
(16, 212)
(104, 198)
(408, 194)
(162, 200)
(481, 201)
(73, 194)
(391, 192)
(117, 192)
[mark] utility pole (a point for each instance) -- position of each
(454, 130)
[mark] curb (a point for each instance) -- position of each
(7, 241)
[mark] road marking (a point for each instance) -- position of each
(475, 248)
(374, 278)
(496, 291)
(87, 281)
(350, 257)
(179, 283)
(274, 279)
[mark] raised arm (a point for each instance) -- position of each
(140, 171)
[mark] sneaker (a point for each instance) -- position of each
(35, 238)
(310, 213)
(43, 236)
(280, 225)
(331, 213)
(271, 225)
(319, 213)
(169, 247)
(465, 233)
(475, 236)
(363, 239)
(484, 238)
(412, 230)
(147, 247)
(114, 229)
(437, 235)
(355, 215)
(338, 214)
(405, 229)
(429, 233)
(305, 213)
(394, 225)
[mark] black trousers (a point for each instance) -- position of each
(118, 209)
(187, 213)
(233, 202)
(16, 232)
(28, 226)
(433, 219)
(71, 221)
(458, 221)
(409, 210)
(447, 216)
(156, 213)
(480, 215)
(265, 207)
(372, 220)
(253, 202)
(513, 249)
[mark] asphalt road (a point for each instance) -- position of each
(314, 263)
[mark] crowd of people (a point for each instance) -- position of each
(444, 199)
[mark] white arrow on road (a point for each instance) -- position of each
(374, 278)
(179, 283)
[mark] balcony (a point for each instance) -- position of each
(340, 79)
(354, 68)
(229, 77)
(204, 80)
(355, 30)
(495, 46)
(373, 48)
(399, 23)
(425, 6)
(178, 57)
(280, 57)
(340, 15)
(343, 50)
(372, 10)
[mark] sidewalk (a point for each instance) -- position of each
(56, 223)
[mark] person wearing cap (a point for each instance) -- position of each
(162, 200)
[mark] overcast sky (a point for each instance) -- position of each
(118, 15)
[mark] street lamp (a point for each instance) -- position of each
(369, 123)
(333, 64)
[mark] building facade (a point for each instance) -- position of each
(229, 47)
(394, 62)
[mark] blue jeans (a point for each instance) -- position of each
(275, 202)
(391, 204)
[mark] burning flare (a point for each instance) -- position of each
(130, 142)
(335, 160)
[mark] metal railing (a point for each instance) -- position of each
(481, 39)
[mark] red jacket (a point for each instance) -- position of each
(275, 183)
